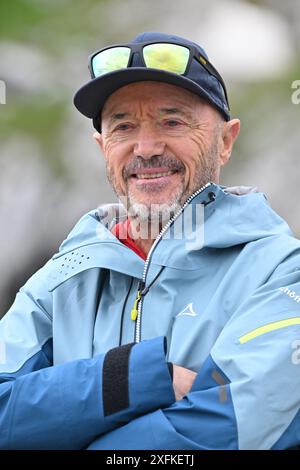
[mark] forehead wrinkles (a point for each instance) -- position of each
(143, 109)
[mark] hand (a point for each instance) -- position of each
(183, 380)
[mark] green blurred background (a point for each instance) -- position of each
(50, 169)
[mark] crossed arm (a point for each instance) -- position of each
(67, 406)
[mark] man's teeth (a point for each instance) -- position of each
(153, 175)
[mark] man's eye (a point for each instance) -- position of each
(123, 127)
(172, 123)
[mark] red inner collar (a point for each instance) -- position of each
(121, 231)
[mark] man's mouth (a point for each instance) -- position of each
(153, 174)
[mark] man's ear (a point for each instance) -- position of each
(98, 138)
(230, 132)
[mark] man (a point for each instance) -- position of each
(185, 278)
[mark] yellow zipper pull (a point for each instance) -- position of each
(134, 311)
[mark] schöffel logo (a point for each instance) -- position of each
(292, 294)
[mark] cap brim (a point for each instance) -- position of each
(90, 98)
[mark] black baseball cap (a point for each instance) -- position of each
(90, 98)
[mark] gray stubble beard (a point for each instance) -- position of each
(152, 217)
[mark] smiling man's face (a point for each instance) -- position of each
(162, 143)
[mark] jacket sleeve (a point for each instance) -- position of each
(66, 406)
(246, 394)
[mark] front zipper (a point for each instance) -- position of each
(136, 312)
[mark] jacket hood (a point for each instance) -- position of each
(240, 215)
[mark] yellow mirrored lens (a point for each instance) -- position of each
(110, 60)
(170, 57)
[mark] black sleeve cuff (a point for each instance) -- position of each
(115, 386)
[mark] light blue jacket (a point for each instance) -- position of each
(72, 375)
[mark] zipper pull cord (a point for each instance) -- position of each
(142, 291)
(134, 311)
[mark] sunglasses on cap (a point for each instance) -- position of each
(168, 56)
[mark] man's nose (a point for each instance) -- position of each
(148, 143)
